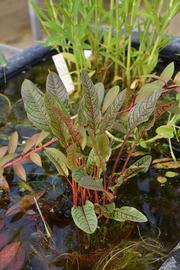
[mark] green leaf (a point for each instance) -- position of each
(85, 217)
(91, 161)
(110, 97)
(73, 131)
(55, 87)
(99, 87)
(165, 131)
(34, 105)
(86, 181)
(72, 156)
(111, 113)
(127, 213)
(103, 147)
(105, 210)
(171, 174)
(141, 112)
(162, 179)
(144, 162)
(91, 101)
(167, 73)
(82, 117)
(57, 125)
(5, 107)
(146, 90)
(58, 159)
(3, 61)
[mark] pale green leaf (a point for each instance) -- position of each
(127, 213)
(13, 142)
(165, 131)
(171, 174)
(167, 73)
(84, 217)
(35, 158)
(110, 97)
(99, 87)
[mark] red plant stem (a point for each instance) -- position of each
(117, 158)
(130, 153)
(75, 193)
(29, 153)
(128, 157)
(105, 187)
(96, 198)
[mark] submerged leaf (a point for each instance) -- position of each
(34, 105)
(23, 204)
(12, 257)
(84, 217)
(55, 87)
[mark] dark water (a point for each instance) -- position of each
(159, 202)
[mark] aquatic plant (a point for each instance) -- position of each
(87, 142)
(108, 30)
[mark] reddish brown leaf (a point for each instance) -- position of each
(12, 257)
(19, 171)
(5, 238)
(13, 142)
(6, 159)
(42, 135)
(2, 223)
(24, 203)
(164, 107)
(4, 184)
(30, 143)
(3, 151)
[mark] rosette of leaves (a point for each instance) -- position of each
(86, 140)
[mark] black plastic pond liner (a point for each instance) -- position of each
(37, 54)
(25, 60)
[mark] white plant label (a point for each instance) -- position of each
(63, 72)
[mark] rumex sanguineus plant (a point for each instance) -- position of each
(87, 142)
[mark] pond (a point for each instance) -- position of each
(67, 247)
